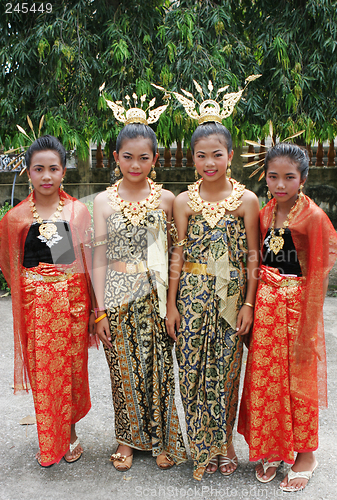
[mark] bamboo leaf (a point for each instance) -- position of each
(248, 155)
(293, 136)
(250, 164)
(262, 175)
(253, 143)
(256, 171)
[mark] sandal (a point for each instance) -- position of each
(266, 465)
(72, 447)
(226, 461)
(164, 461)
(213, 461)
(122, 463)
(306, 474)
(38, 459)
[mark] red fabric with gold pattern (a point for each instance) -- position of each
(13, 231)
(273, 420)
(315, 240)
(56, 309)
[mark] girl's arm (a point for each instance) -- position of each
(251, 220)
(100, 267)
(180, 217)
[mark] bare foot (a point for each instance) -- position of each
(230, 467)
(212, 465)
(304, 462)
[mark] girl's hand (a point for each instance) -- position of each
(245, 320)
(172, 321)
(103, 332)
(91, 325)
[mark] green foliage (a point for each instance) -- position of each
(54, 64)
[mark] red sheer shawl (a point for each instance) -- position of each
(13, 231)
(315, 240)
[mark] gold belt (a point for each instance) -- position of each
(128, 267)
(195, 268)
(49, 278)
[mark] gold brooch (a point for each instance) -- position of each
(214, 211)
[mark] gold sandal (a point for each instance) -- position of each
(164, 461)
(122, 463)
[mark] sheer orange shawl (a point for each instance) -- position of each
(315, 240)
(13, 231)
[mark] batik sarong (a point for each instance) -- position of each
(211, 292)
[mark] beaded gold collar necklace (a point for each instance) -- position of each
(214, 211)
(135, 211)
(48, 230)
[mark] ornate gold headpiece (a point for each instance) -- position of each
(210, 109)
(262, 154)
(135, 114)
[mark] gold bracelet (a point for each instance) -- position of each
(180, 243)
(99, 243)
(248, 304)
(101, 317)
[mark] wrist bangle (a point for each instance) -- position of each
(101, 317)
(248, 304)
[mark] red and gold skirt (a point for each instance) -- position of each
(274, 422)
(56, 313)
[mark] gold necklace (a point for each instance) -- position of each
(276, 243)
(214, 211)
(135, 211)
(48, 230)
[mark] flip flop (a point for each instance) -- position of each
(306, 474)
(267, 465)
(72, 447)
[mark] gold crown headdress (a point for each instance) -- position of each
(262, 154)
(210, 109)
(135, 114)
(21, 150)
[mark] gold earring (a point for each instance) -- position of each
(196, 175)
(61, 185)
(269, 195)
(300, 189)
(117, 170)
(229, 171)
(153, 173)
(30, 185)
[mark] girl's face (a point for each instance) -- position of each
(283, 179)
(211, 157)
(135, 158)
(46, 172)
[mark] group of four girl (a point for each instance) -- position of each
(218, 288)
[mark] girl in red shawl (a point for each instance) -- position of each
(44, 259)
(285, 377)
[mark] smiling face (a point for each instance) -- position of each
(46, 172)
(211, 157)
(135, 158)
(283, 179)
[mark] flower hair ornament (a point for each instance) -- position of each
(134, 114)
(210, 110)
(262, 154)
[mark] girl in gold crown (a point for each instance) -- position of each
(45, 258)
(285, 377)
(130, 275)
(213, 279)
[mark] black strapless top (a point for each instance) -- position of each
(286, 260)
(57, 250)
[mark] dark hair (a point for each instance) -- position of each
(295, 153)
(211, 128)
(134, 130)
(44, 143)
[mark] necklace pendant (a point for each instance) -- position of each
(276, 244)
(47, 230)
